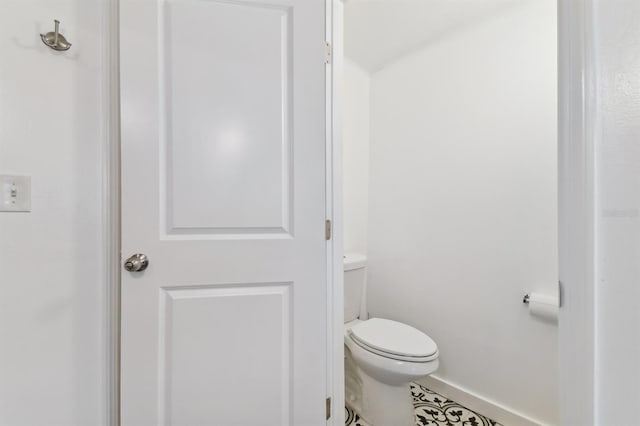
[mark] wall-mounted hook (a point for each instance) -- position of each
(55, 40)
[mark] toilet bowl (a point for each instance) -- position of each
(382, 358)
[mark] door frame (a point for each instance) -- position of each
(111, 220)
(576, 198)
(335, 268)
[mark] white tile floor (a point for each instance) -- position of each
(433, 409)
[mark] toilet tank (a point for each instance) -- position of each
(354, 282)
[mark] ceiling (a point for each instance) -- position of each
(378, 32)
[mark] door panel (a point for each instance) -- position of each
(257, 340)
(227, 120)
(223, 188)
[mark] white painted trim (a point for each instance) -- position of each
(495, 411)
(111, 215)
(576, 201)
(335, 320)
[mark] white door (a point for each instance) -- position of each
(223, 188)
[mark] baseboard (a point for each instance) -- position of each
(475, 402)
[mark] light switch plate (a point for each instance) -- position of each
(15, 193)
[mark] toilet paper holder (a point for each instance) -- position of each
(542, 306)
(527, 297)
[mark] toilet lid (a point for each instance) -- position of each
(394, 338)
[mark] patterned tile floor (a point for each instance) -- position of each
(433, 409)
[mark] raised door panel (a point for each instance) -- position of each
(225, 117)
(225, 355)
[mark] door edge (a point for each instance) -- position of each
(111, 210)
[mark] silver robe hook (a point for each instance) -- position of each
(54, 39)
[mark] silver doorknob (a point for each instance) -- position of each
(136, 263)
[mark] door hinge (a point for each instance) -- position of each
(327, 230)
(327, 52)
(560, 294)
(328, 408)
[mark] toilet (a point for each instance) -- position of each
(382, 357)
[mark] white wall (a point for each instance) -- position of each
(51, 290)
(462, 206)
(355, 156)
(617, 105)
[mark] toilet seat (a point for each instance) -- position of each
(394, 340)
